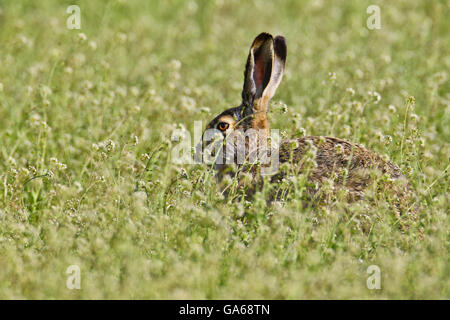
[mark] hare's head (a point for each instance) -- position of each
(262, 75)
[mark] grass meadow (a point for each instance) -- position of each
(87, 178)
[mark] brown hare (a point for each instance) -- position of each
(348, 164)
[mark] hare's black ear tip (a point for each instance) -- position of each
(280, 47)
(263, 36)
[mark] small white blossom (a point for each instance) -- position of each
(81, 37)
(392, 108)
(93, 45)
(351, 91)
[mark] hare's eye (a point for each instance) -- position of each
(222, 126)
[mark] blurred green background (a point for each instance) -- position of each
(85, 171)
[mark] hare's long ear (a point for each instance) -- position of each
(263, 72)
(279, 61)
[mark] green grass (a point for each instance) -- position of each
(85, 137)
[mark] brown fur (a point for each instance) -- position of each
(348, 166)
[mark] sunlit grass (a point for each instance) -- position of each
(86, 178)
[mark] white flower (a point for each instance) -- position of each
(93, 45)
(414, 117)
(45, 91)
(387, 139)
(175, 64)
(82, 37)
(301, 131)
(359, 73)
(392, 108)
(187, 103)
(205, 110)
(136, 109)
(61, 166)
(122, 37)
(134, 91)
(386, 58)
(351, 91)
(109, 145)
(376, 95)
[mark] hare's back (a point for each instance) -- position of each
(335, 157)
